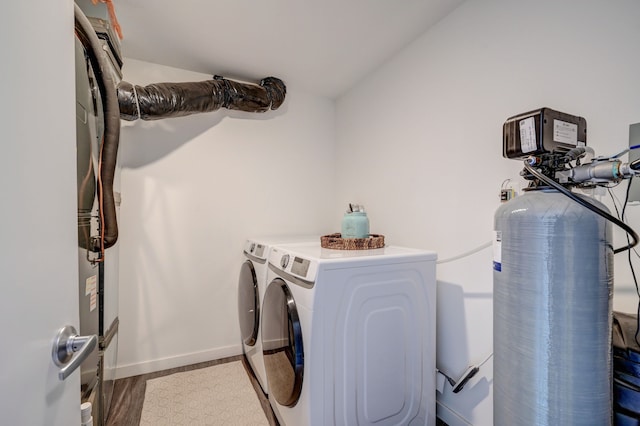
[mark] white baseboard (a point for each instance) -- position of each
(152, 366)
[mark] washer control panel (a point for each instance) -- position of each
(300, 266)
(293, 264)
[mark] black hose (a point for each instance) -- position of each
(575, 153)
(588, 205)
(111, 138)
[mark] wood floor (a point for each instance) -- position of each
(128, 393)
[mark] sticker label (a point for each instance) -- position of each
(528, 135)
(564, 132)
(91, 290)
(90, 285)
(93, 301)
(497, 251)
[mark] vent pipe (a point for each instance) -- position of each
(165, 100)
(156, 101)
(109, 146)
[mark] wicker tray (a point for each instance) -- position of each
(335, 241)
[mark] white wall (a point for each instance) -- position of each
(419, 144)
(193, 189)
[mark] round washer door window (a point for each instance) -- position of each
(248, 303)
(282, 343)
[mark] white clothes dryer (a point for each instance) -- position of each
(349, 336)
(251, 287)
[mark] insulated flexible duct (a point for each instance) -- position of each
(154, 102)
(111, 138)
(165, 100)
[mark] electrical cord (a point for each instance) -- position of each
(458, 385)
(471, 371)
(613, 199)
(617, 201)
(633, 272)
(630, 232)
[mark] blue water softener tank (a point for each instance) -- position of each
(552, 286)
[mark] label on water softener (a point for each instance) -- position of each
(564, 132)
(528, 141)
(497, 251)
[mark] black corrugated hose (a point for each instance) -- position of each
(109, 146)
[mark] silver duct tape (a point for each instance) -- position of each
(553, 283)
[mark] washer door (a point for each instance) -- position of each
(282, 344)
(248, 304)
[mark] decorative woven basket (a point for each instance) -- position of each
(335, 241)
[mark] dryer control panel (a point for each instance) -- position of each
(255, 249)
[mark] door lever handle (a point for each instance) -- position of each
(66, 343)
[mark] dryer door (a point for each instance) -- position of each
(282, 343)
(248, 303)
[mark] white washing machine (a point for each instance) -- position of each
(251, 288)
(349, 335)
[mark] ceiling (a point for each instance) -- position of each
(323, 47)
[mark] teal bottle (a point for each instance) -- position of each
(355, 225)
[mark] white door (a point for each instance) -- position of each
(38, 263)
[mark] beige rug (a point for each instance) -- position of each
(218, 395)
